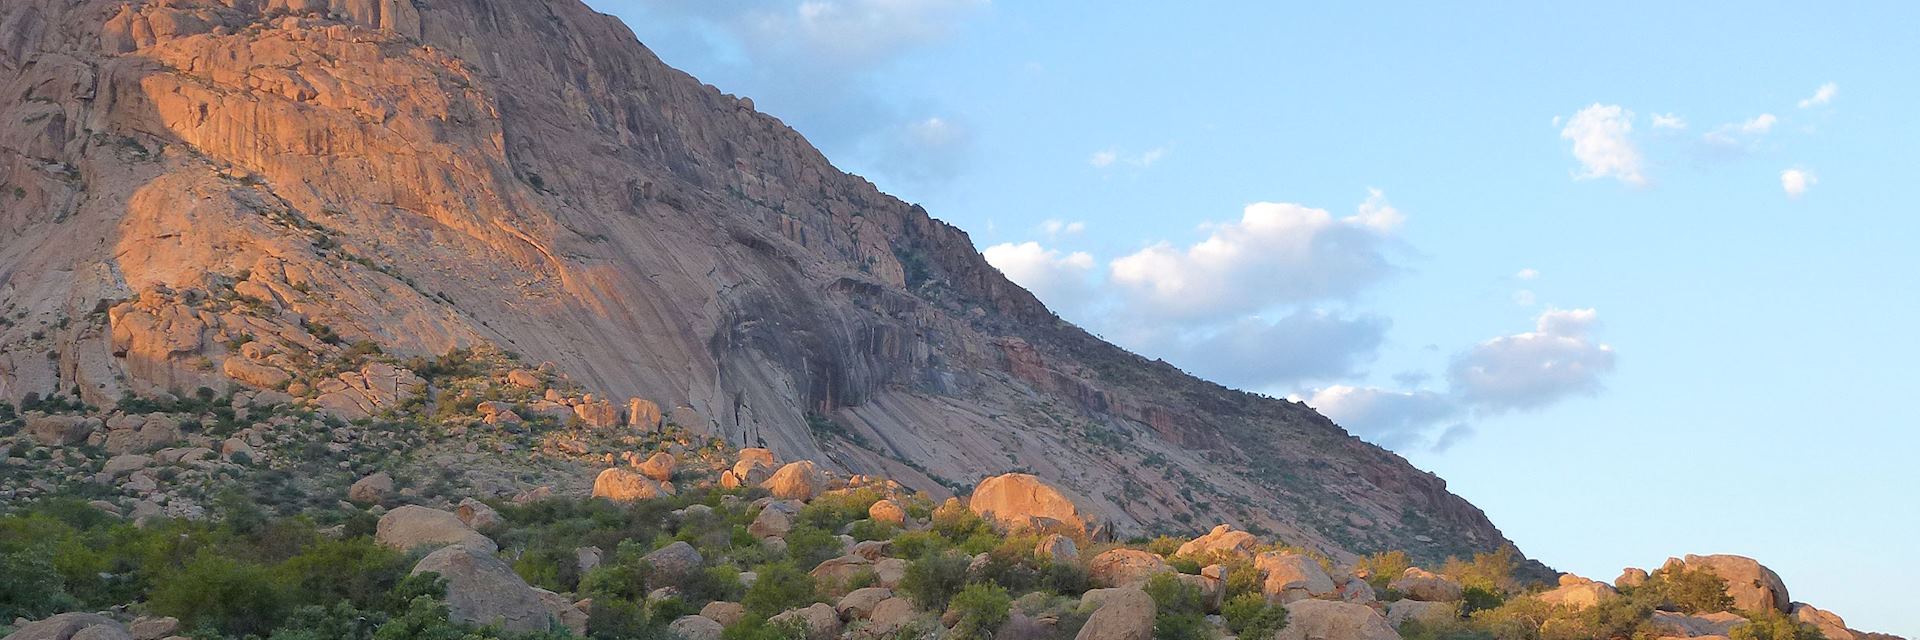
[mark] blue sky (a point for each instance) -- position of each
(1636, 278)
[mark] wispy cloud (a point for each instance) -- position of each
(1821, 96)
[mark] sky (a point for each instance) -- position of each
(1636, 278)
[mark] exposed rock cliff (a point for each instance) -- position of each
(206, 193)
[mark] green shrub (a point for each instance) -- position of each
(833, 511)
(983, 607)
(913, 544)
(1179, 609)
(957, 523)
(870, 529)
(1164, 546)
(760, 629)
(810, 546)
(1242, 578)
(33, 588)
(1773, 625)
(1251, 617)
(1492, 571)
(932, 580)
(1478, 599)
(778, 587)
(1695, 590)
(1382, 568)
(216, 591)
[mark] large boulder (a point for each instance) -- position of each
(643, 413)
(797, 481)
(672, 563)
(1329, 620)
(1420, 584)
(1291, 576)
(819, 620)
(696, 628)
(72, 626)
(373, 489)
(414, 526)
(565, 611)
(479, 515)
(890, 616)
(1630, 577)
(1222, 539)
(598, 414)
(770, 523)
(1400, 611)
(658, 466)
(1024, 502)
(859, 603)
(1830, 625)
(1579, 593)
(1125, 568)
(725, 613)
(59, 430)
(1057, 548)
(483, 590)
(1753, 586)
(889, 511)
(621, 485)
(376, 388)
(1123, 614)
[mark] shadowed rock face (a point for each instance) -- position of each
(207, 192)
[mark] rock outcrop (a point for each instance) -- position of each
(1752, 585)
(483, 590)
(1327, 620)
(1024, 502)
(412, 526)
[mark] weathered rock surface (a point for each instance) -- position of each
(1122, 614)
(621, 485)
(1420, 584)
(725, 613)
(1400, 611)
(696, 628)
(1125, 568)
(819, 619)
(1024, 502)
(413, 526)
(1328, 620)
(72, 626)
(1291, 576)
(1222, 539)
(800, 480)
(483, 590)
(373, 489)
(1753, 586)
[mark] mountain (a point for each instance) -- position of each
(232, 194)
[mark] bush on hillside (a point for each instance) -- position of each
(982, 608)
(932, 580)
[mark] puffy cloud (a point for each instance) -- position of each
(1820, 96)
(1114, 156)
(1531, 370)
(1669, 121)
(1796, 181)
(1277, 253)
(1054, 227)
(1392, 419)
(1601, 136)
(1059, 279)
(1252, 353)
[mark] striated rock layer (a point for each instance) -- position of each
(219, 193)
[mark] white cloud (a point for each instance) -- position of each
(1530, 370)
(1392, 419)
(1739, 137)
(1058, 279)
(1669, 121)
(1115, 156)
(1055, 227)
(1528, 273)
(1796, 181)
(1601, 136)
(1759, 124)
(1277, 253)
(1820, 96)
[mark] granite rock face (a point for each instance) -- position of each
(238, 188)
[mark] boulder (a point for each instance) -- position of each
(1752, 585)
(1630, 577)
(587, 558)
(59, 430)
(1355, 590)
(1291, 576)
(1127, 568)
(696, 628)
(1122, 614)
(673, 562)
(1400, 611)
(643, 413)
(124, 464)
(1830, 625)
(483, 590)
(819, 619)
(1023, 502)
(1057, 548)
(889, 572)
(1329, 620)
(1419, 584)
(658, 466)
(72, 626)
(141, 433)
(1577, 592)
(376, 388)
(890, 616)
(859, 603)
(756, 455)
(1212, 588)
(525, 379)
(598, 414)
(725, 613)
(797, 481)
(479, 515)
(889, 511)
(1224, 539)
(621, 485)
(770, 523)
(835, 573)
(413, 526)
(373, 489)
(564, 611)
(153, 628)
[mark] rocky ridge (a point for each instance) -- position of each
(249, 196)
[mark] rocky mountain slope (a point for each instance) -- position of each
(243, 195)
